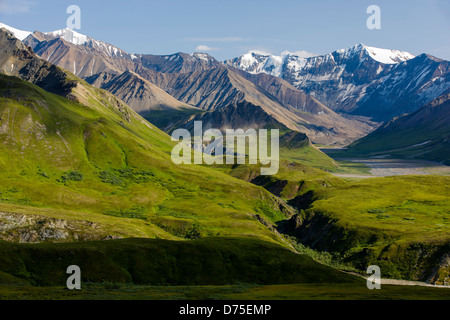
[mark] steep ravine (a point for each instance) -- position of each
(362, 247)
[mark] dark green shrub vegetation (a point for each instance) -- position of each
(72, 176)
(136, 212)
(194, 233)
(108, 177)
(121, 177)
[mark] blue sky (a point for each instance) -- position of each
(232, 27)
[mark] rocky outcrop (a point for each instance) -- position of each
(441, 273)
(15, 227)
(19, 60)
(242, 115)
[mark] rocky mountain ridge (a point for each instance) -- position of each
(361, 80)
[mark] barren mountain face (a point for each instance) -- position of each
(195, 80)
(83, 56)
(137, 92)
(302, 94)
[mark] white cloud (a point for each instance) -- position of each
(219, 39)
(205, 48)
(15, 6)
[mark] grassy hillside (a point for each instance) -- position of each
(209, 261)
(88, 168)
(212, 268)
(300, 169)
(399, 223)
(72, 161)
(298, 148)
(293, 178)
(423, 134)
(419, 142)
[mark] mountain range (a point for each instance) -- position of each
(335, 99)
(366, 81)
(196, 80)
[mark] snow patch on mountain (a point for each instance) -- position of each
(202, 56)
(385, 56)
(389, 56)
(79, 39)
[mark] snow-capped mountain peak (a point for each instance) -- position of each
(70, 36)
(203, 57)
(385, 56)
(251, 58)
(79, 39)
(371, 80)
(260, 62)
(19, 34)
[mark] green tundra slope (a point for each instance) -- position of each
(423, 134)
(209, 261)
(65, 158)
(400, 223)
(71, 173)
